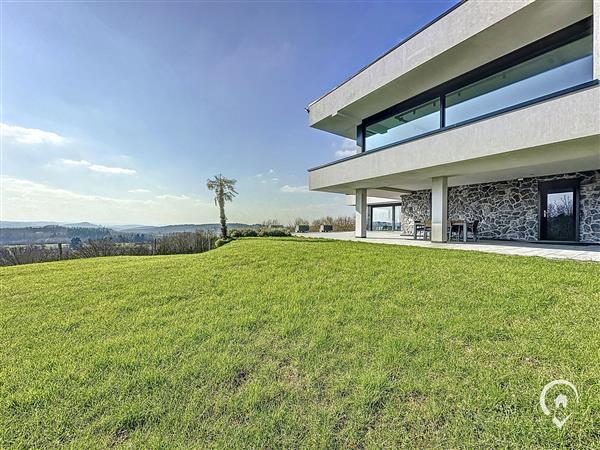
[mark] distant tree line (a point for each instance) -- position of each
(50, 234)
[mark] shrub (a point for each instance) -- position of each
(221, 242)
(342, 223)
(244, 232)
(185, 242)
(274, 232)
(28, 254)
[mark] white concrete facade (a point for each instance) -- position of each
(555, 134)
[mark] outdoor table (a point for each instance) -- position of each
(464, 225)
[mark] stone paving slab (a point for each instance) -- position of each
(551, 251)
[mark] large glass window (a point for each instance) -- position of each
(415, 121)
(385, 218)
(563, 67)
(381, 218)
(550, 72)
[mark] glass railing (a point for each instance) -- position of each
(415, 121)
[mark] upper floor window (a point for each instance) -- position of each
(550, 72)
(555, 63)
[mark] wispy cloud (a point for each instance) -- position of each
(99, 168)
(72, 162)
(22, 135)
(24, 188)
(111, 170)
(139, 191)
(172, 197)
(24, 199)
(294, 189)
(346, 148)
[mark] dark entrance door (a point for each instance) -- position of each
(558, 210)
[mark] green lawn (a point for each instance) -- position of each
(298, 343)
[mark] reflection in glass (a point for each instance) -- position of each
(560, 211)
(550, 72)
(413, 122)
(397, 217)
(382, 218)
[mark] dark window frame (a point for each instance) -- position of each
(553, 41)
(383, 205)
(553, 186)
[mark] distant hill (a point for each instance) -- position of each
(23, 233)
(49, 234)
(124, 227)
(169, 229)
(35, 224)
(82, 225)
(22, 224)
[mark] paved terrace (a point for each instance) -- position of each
(576, 252)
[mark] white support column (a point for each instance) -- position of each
(361, 213)
(439, 209)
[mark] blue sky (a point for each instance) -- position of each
(119, 112)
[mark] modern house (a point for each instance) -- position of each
(491, 113)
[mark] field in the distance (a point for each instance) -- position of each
(298, 343)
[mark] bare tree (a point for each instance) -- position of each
(224, 189)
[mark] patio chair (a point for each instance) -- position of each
(473, 230)
(454, 231)
(427, 230)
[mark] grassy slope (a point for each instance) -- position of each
(287, 343)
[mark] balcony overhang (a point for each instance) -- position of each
(529, 141)
(468, 36)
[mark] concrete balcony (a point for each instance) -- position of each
(527, 141)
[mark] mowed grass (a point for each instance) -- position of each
(292, 343)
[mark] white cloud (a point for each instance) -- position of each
(24, 199)
(98, 167)
(294, 189)
(271, 171)
(172, 197)
(19, 187)
(72, 162)
(111, 170)
(275, 179)
(22, 135)
(139, 191)
(347, 148)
